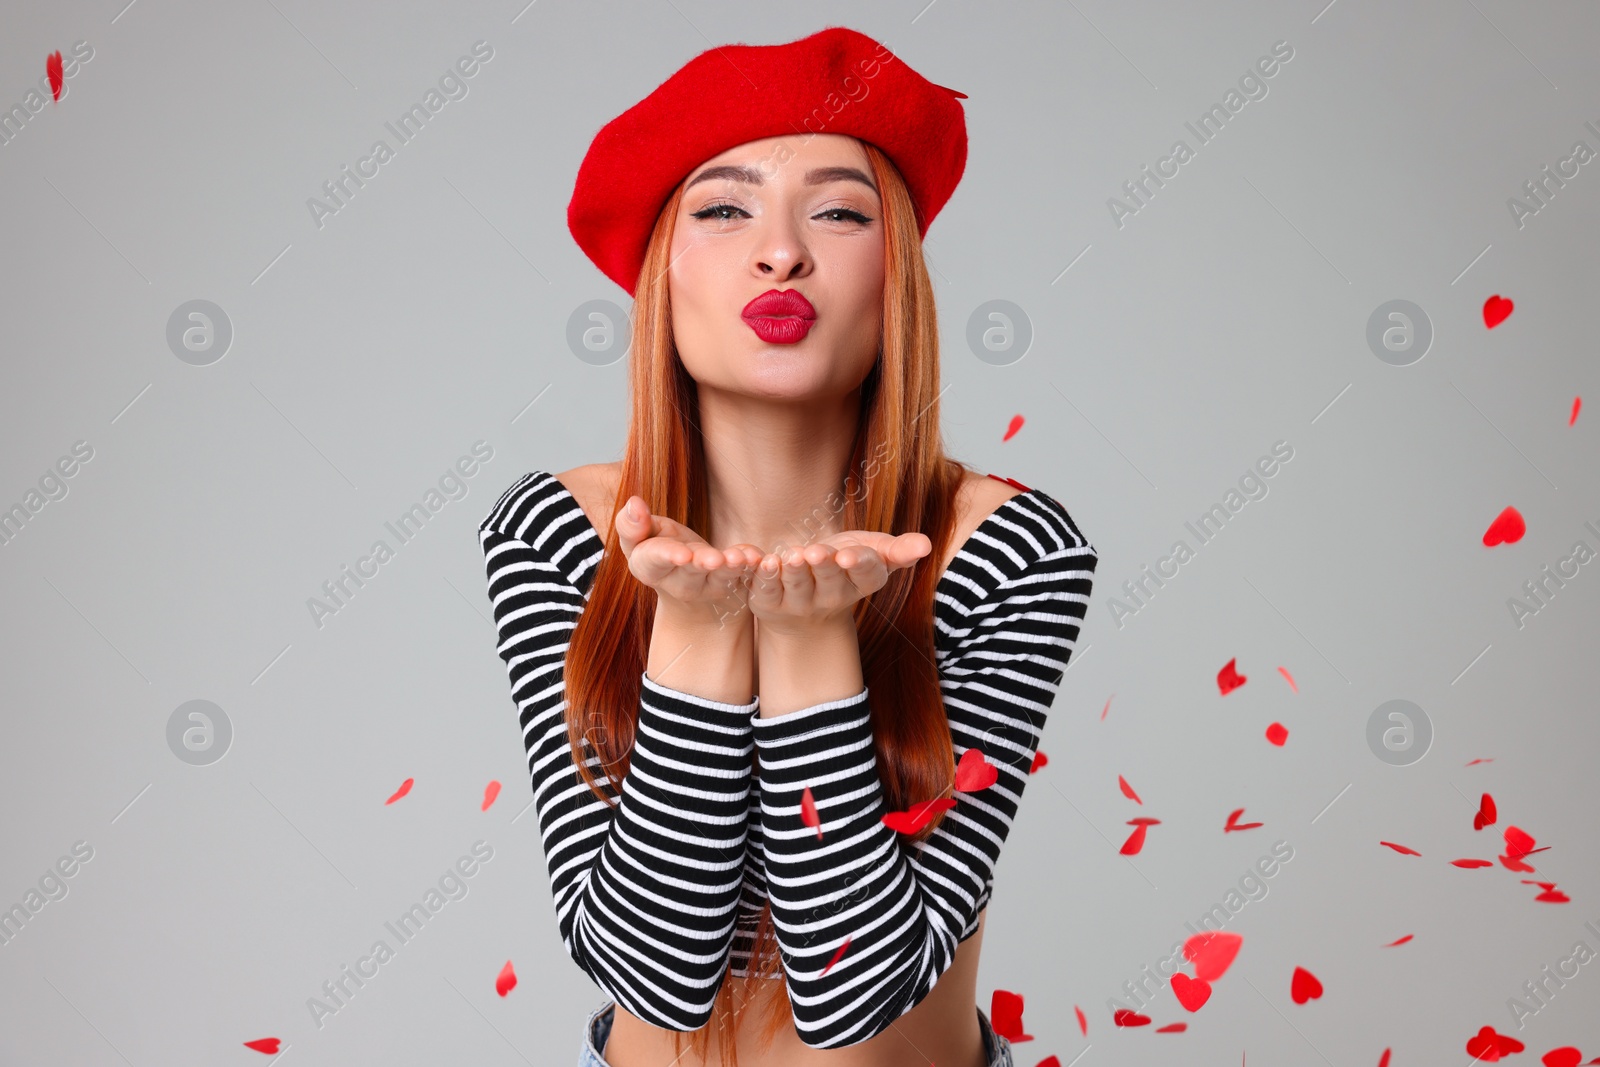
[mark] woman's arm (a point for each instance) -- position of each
(898, 911)
(645, 890)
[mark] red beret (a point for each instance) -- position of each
(835, 81)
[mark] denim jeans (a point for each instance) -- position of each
(597, 1029)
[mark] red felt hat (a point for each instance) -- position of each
(835, 81)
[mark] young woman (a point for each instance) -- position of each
(749, 655)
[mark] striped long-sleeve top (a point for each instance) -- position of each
(657, 897)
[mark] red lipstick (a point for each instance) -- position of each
(780, 316)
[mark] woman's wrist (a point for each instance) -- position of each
(808, 664)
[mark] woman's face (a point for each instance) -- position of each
(792, 214)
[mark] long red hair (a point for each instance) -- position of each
(898, 480)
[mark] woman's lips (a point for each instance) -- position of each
(780, 316)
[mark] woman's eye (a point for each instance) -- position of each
(848, 213)
(719, 212)
(713, 211)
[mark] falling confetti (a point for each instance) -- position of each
(975, 773)
(1551, 894)
(1304, 986)
(808, 811)
(1496, 310)
(1011, 430)
(405, 787)
(1229, 679)
(1127, 1017)
(1401, 848)
(1212, 953)
(1083, 1021)
(1486, 814)
(909, 822)
(1039, 760)
(1399, 941)
(1480, 760)
(269, 1045)
(1127, 790)
(52, 68)
(1490, 1046)
(837, 956)
(1577, 402)
(1507, 528)
(1288, 677)
(490, 792)
(1005, 1015)
(1192, 993)
(1172, 1028)
(1106, 708)
(1518, 845)
(1235, 825)
(1472, 863)
(1277, 733)
(506, 980)
(1135, 842)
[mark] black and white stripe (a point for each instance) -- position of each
(655, 897)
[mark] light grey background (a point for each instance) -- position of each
(368, 355)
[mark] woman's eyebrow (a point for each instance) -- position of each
(752, 176)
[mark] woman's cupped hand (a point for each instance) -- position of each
(789, 589)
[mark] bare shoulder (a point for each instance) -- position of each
(977, 499)
(594, 487)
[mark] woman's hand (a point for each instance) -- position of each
(817, 584)
(685, 571)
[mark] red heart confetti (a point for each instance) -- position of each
(1277, 733)
(1228, 678)
(974, 773)
(837, 956)
(490, 793)
(1127, 790)
(1234, 825)
(1005, 1015)
(1125, 1017)
(1479, 760)
(1507, 528)
(1212, 953)
(1304, 986)
(808, 811)
(1551, 894)
(1383, 1061)
(1135, 841)
(1496, 310)
(405, 787)
(269, 1045)
(1577, 402)
(1288, 677)
(1399, 941)
(909, 822)
(1172, 1028)
(1039, 760)
(52, 68)
(1083, 1021)
(1490, 1046)
(506, 980)
(1106, 708)
(1472, 863)
(1192, 993)
(1143, 820)
(1486, 813)
(1011, 430)
(1401, 848)
(1519, 843)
